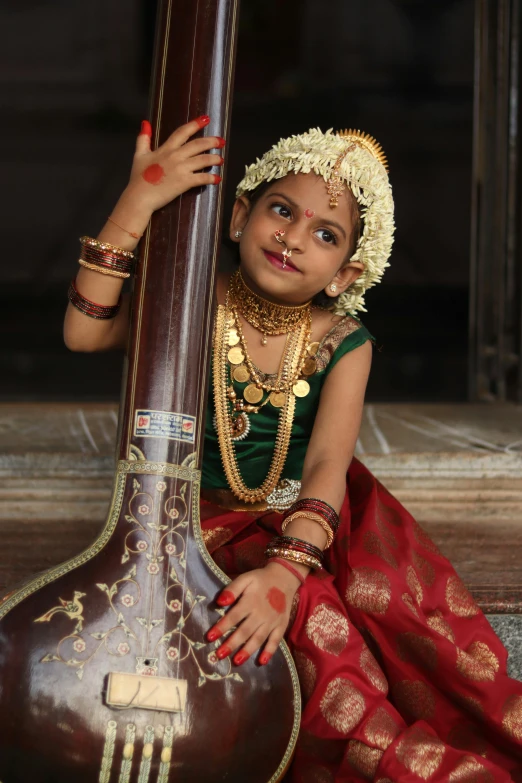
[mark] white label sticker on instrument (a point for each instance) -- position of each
(160, 424)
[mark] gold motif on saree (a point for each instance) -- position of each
(437, 623)
(307, 673)
(369, 590)
(375, 546)
(425, 569)
(216, 537)
(478, 662)
(414, 699)
(459, 600)
(469, 770)
(423, 538)
(512, 720)
(410, 603)
(420, 752)
(380, 729)
(364, 759)
(372, 670)
(386, 513)
(333, 339)
(328, 629)
(342, 705)
(414, 585)
(417, 650)
(386, 533)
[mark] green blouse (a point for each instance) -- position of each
(254, 453)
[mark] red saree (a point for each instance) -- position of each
(402, 677)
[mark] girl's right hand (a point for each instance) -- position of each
(159, 176)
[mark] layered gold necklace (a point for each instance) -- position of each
(266, 316)
(232, 362)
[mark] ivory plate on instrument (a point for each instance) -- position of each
(147, 693)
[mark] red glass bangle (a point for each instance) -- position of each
(298, 545)
(288, 567)
(93, 310)
(88, 254)
(316, 506)
(107, 261)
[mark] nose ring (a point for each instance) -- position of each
(279, 234)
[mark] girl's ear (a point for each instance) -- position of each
(240, 213)
(346, 275)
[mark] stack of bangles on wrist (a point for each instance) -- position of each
(106, 259)
(93, 310)
(317, 511)
(298, 550)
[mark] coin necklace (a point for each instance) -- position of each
(287, 379)
(229, 423)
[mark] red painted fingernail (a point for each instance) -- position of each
(264, 658)
(146, 128)
(217, 179)
(226, 598)
(223, 651)
(222, 160)
(221, 142)
(214, 634)
(203, 120)
(240, 657)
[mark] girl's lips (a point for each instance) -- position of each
(276, 259)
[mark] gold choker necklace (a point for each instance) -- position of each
(266, 316)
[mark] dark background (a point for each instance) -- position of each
(75, 87)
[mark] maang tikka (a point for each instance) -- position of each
(279, 234)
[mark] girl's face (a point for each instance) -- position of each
(319, 237)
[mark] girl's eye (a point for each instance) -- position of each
(326, 236)
(282, 210)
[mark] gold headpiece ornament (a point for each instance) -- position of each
(349, 158)
(368, 142)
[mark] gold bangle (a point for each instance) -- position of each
(119, 251)
(315, 518)
(295, 557)
(101, 270)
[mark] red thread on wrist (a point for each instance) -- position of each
(288, 567)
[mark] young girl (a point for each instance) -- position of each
(402, 677)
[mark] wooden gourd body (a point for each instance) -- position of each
(83, 645)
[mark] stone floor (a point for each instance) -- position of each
(457, 468)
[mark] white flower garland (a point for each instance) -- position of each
(367, 179)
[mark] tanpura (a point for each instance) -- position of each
(105, 672)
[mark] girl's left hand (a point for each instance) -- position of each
(262, 602)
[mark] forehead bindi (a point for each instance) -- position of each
(308, 192)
